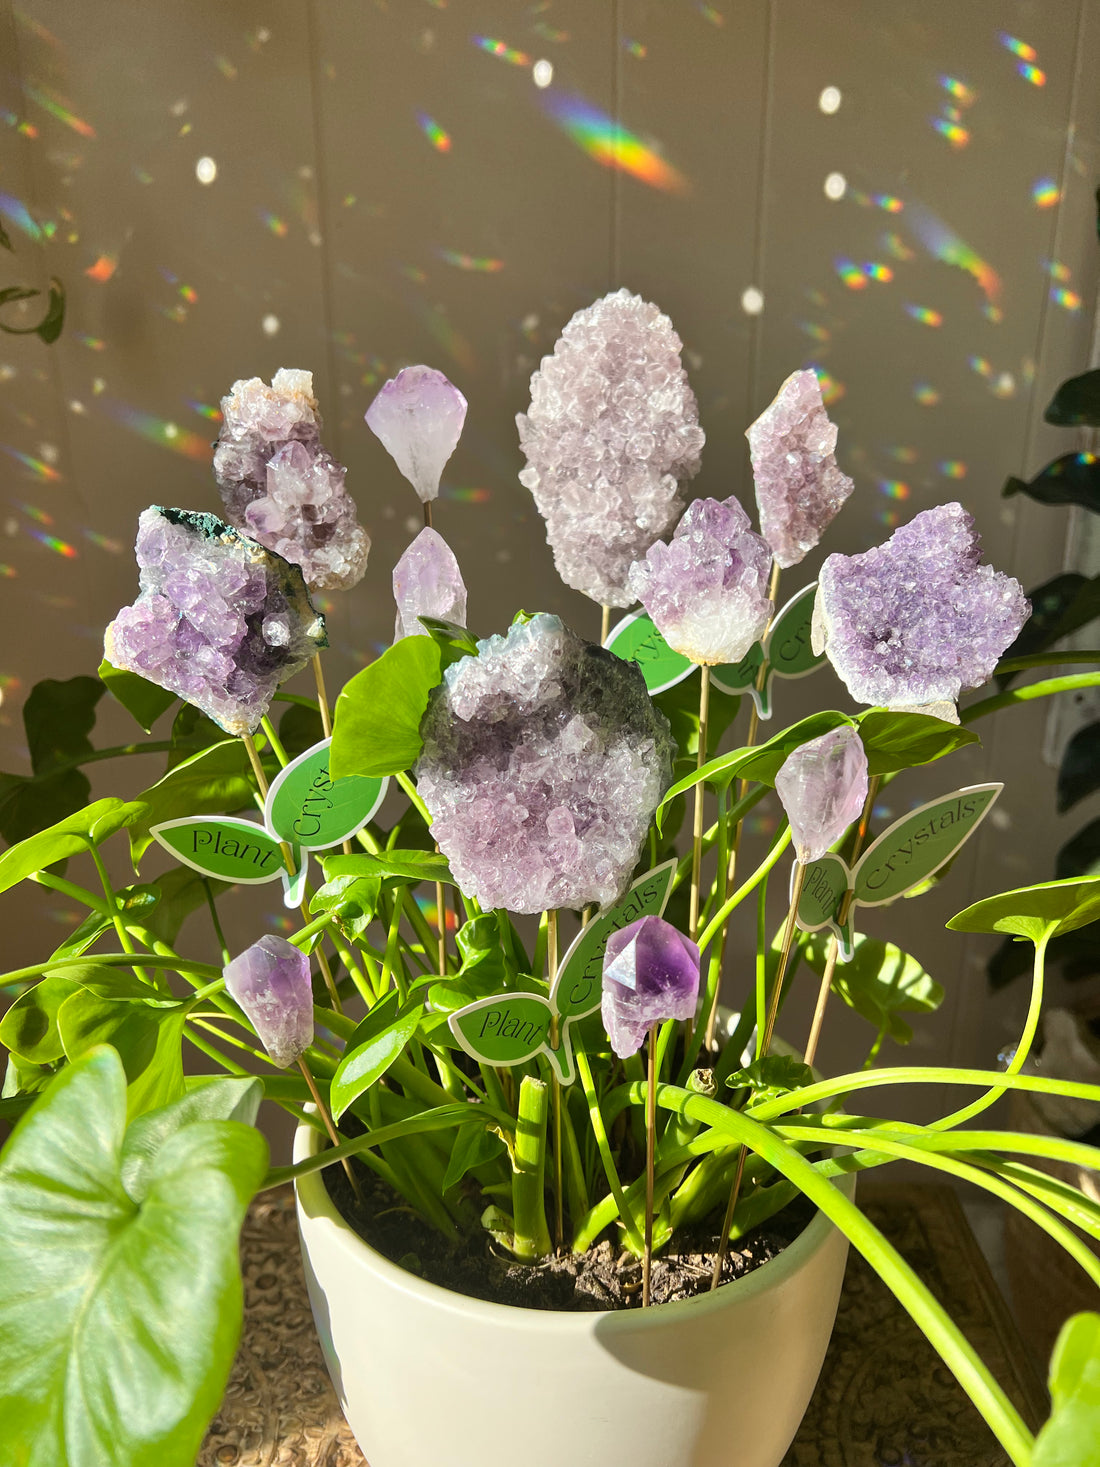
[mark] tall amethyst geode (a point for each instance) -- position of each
(220, 621)
(271, 982)
(418, 416)
(280, 486)
(799, 488)
(914, 621)
(822, 786)
(544, 759)
(427, 581)
(611, 436)
(707, 590)
(650, 974)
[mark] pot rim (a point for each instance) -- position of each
(315, 1202)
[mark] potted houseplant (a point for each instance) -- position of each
(536, 1162)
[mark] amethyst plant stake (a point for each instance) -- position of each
(611, 437)
(270, 980)
(285, 491)
(418, 416)
(823, 788)
(650, 975)
(706, 593)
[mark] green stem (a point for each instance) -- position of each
(275, 742)
(782, 841)
(154, 746)
(414, 797)
(584, 1070)
(113, 907)
(219, 934)
(532, 1236)
(113, 960)
(1044, 659)
(1025, 695)
(70, 889)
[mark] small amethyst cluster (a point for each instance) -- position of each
(544, 759)
(281, 487)
(220, 620)
(610, 437)
(914, 621)
(707, 590)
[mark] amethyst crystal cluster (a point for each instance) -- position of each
(822, 786)
(418, 416)
(913, 622)
(220, 620)
(707, 590)
(650, 974)
(271, 982)
(611, 435)
(427, 582)
(544, 759)
(281, 487)
(799, 487)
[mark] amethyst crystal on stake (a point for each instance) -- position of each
(707, 590)
(650, 974)
(270, 980)
(610, 437)
(822, 786)
(427, 581)
(418, 417)
(544, 759)
(914, 621)
(799, 488)
(281, 487)
(220, 621)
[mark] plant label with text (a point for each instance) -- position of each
(511, 1028)
(786, 653)
(306, 807)
(224, 847)
(636, 639)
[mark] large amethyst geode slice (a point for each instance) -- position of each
(281, 487)
(914, 621)
(544, 759)
(220, 620)
(611, 436)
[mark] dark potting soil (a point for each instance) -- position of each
(603, 1278)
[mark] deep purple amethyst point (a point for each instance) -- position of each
(271, 982)
(650, 974)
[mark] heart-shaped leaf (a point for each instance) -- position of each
(404, 866)
(211, 1099)
(143, 700)
(214, 781)
(148, 1041)
(29, 1028)
(118, 1318)
(69, 837)
(378, 713)
(894, 741)
(1034, 912)
(1072, 479)
(1077, 402)
(1071, 1438)
(880, 982)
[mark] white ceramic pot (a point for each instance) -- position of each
(430, 1378)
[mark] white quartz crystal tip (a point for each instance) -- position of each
(418, 417)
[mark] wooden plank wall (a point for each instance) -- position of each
(393, 185)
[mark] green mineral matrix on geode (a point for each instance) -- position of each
(220, 621)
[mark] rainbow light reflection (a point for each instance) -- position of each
(104, 542)
(494, 47)
(962, 94)
(1032, 74)
(468, 496)
(160, 431)
(952, 468)
(944, 244)
(55, 106)
(482, 264)
(17, 213)
(205, 410)
(104, 267)
(1045, 193)
(611, 144)
(1018, 47)
(925, 315)
(45, 473)
(855, 277)
(955, 134)
(278, 227)
(52, 542)
(439, 139)
(1068, 299)
(831, 390)
(894, 488)
(926, 394)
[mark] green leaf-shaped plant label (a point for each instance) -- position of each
(223, 846)
(737, 677)
(912, 848)
(511, 1028)
(308, 808)
(788, 646)
(636, 639)
(579, 983)
(823, 889)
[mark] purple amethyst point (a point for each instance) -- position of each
(270, 980)
(822, 786)
(418, 416)
(427, 581)
(650, 974)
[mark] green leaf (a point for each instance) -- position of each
(299, 729)
(353, 900)
(143, 700)
(31, 804)
(880, 983)
(894, 741)
(118, 1320)
(775, 1075)
(1077, 402)
(214, 1099)
(483, 969)
(58, 717)
(106, 981)
(680, 705)
(1079, 775)
(29, 1028)
(180, 891)
(1081, 855)
(148, 1040)
(217, 780)
(474, 1145)
(1071, 1438)
(403, 866)
(1059, 606)
(378, 713)
(453, 641)
(1050, 908)
(192, 731)
(372, 1049)
(1072, 479)
(69, 837)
